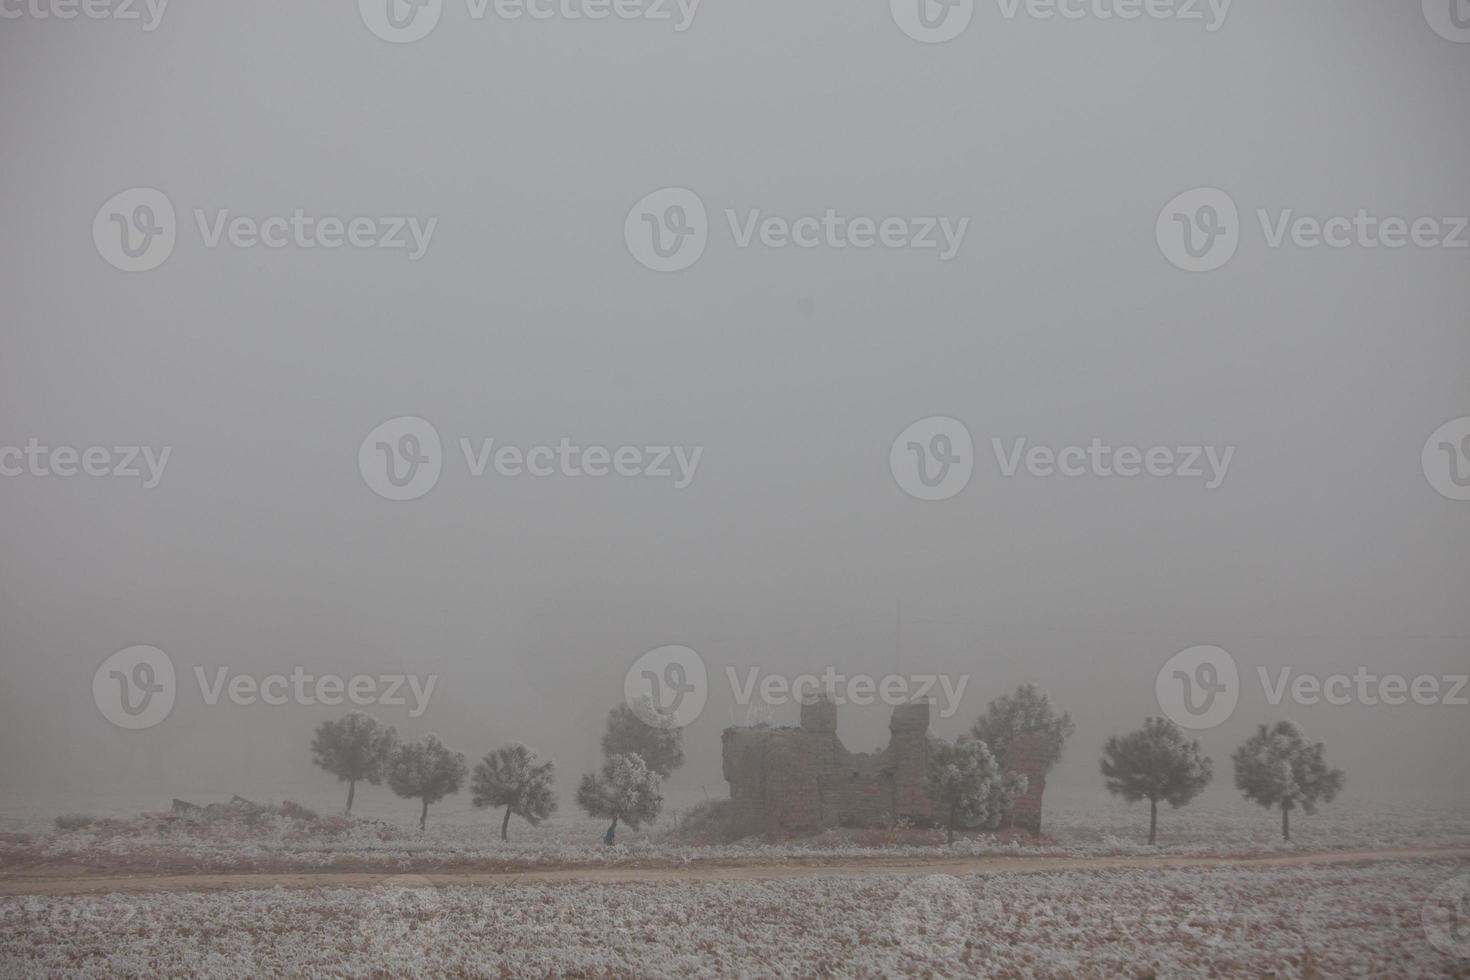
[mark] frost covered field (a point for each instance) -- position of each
(726, 915)
(1286, 922)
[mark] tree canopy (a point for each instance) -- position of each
(354, 748)
(1026, 710)
(967, 788)
(512, 777)
(1155, 763)
(1278, 767)
(426, 770)
(625, 790)
(640, 730)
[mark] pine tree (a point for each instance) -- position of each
(625, 790)
(426, 770)
(1155, 763)
(1027, 710)
(967, 788)
(1278, 767)
(511, 777)
(642, 730)
(354, 748)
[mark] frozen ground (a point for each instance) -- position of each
(279, 844)
(1284, 922)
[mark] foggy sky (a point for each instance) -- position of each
(528, 321)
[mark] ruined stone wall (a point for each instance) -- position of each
(856, 790)
(1025, 755)
(909, 733)
(788, 781)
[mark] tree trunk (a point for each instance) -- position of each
(1153, 821)
(951, 823)
(611, 834)
(424, 814)
(351, 789)
(1285, 822)
(505, 825)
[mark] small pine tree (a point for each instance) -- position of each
(1278, 767)
(967, 788)
(625, 790)
(354, 748)
(1155, 763)
(426, 770)
(511, 777)
(643, 730)
(1027, 710)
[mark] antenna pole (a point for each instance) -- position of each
(898, 636)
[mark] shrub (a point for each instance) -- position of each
(74, 821)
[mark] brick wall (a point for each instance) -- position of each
(788, 781)
(1025, 755)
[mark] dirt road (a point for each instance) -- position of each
(68, 884)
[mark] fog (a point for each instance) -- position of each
(793, 548)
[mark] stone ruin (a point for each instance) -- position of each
(790, 781)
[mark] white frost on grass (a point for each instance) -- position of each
(1287, 922)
